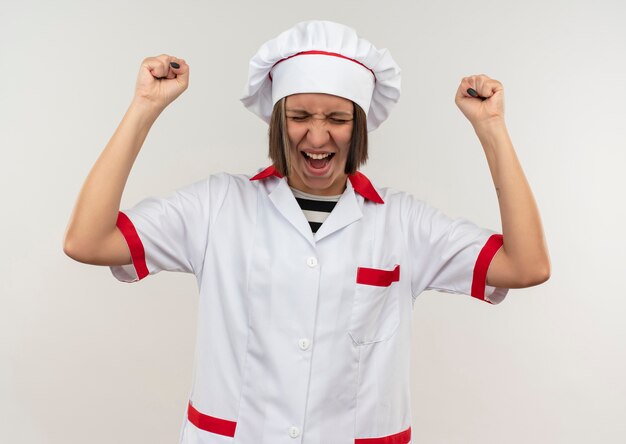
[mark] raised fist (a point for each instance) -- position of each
(161, 80)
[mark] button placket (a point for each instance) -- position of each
(304, 344)
(294, 431)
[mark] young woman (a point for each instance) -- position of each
(307, 271)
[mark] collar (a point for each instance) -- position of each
(360, 183)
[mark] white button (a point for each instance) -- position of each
(294, 432)
(311, 262)
(304, 343)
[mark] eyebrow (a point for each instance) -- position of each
(334, 113)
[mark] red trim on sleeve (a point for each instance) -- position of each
(399, 438)
(485, 256)
(137, 252)
(211, 424)
(377, 277)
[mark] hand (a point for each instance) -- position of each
(479, 111)
(159, 83)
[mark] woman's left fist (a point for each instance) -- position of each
(488, 107)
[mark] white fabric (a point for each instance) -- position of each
(268, 285)
(313, 73)
(344, 78)
(296, 192)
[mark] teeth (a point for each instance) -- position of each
(317, 156)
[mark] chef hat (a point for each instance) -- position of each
(323, 57)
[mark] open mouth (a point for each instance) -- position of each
(317, 161)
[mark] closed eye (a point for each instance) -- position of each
(298, 118)
(339, 121)
(335, 120)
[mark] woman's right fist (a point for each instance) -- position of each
(161, 80)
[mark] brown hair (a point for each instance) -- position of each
(279, 140)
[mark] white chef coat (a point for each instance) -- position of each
(302, 337)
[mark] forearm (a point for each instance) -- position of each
(95, 212)
(524, 246)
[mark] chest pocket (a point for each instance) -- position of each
(375, 312)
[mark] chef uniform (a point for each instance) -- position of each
(305, 337)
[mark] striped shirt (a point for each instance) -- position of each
(315, 208)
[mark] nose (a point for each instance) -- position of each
(318, 133)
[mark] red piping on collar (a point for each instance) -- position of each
(316, 52)
(364, 187)
(267, 172)
(360, 183)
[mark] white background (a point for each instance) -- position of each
(87, 359)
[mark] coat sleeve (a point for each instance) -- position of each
(167, 233)
(451, 255)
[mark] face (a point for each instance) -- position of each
(319, 128)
